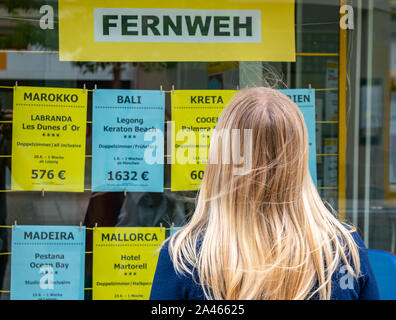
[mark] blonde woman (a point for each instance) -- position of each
(263, 233)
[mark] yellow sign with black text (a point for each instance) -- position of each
(194, 116)
(176, 30)
(48, 139)
(124, 262)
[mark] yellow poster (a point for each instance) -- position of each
(48, 139)
(124, 262)
(176, 30)
(194, 116)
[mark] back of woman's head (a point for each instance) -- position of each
(269, 130)
(260, 229)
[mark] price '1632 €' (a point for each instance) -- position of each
(127, 175)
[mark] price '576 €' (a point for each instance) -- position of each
(48, 174)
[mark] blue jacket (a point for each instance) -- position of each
(168, 285)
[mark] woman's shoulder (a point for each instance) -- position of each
(362, 249)
(364, 286)
(168, 284)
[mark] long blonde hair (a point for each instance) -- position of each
(264, 234)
